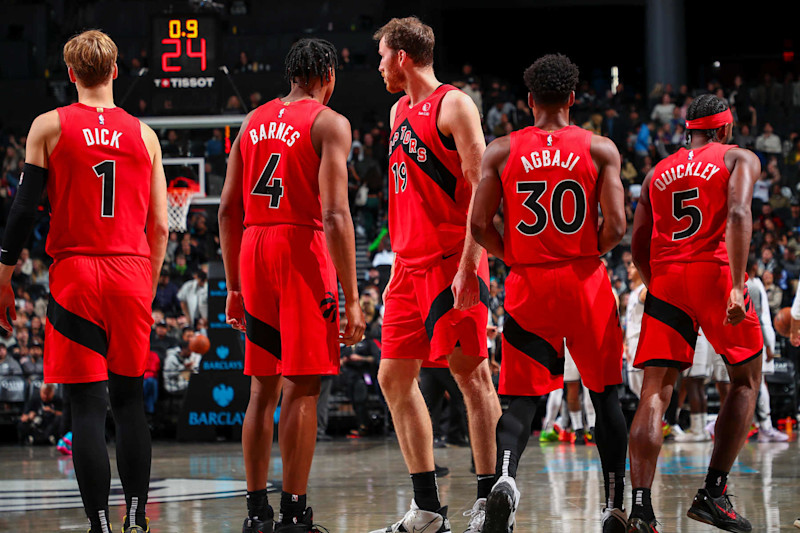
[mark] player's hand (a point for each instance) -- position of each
(794, 333)
(355, 324)
(495, 367)
(466, 290)
(234, 310)
(8, 307)
(736, 311)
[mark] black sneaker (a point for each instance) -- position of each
(718, 512)
(304, 524)
(579, 436)
(640, 525)
(501, 506)
(252, 525)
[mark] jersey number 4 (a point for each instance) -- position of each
(535, 190)
(268, 184)
(680, 211)
(106, 171)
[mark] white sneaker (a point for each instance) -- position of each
(418, 521)
(797, 523)
(477, 516)
(711, 427)
(691, 436)
(501, 506)
(772, 435)
(614, 521)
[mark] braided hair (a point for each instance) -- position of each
(311, 58)
(703, 106)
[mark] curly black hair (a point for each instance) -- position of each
(551, 79)
(311, 58)
(703, 106)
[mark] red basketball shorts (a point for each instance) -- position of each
(291, 300)
(683, 297)
(546, 304)
(419, 321)
(98, 319)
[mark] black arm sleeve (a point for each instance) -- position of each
(23, 213)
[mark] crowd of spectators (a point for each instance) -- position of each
(646, 127)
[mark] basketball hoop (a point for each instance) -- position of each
(179, 198)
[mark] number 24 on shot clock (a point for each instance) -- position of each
(184, 45)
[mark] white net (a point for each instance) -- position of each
(178, 202)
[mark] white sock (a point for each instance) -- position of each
(553, 406)
(698, 422)
(576, 417)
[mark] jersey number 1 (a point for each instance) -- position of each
(268, 185)
(106, 170)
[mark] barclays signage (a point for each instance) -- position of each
(222, 352)
(222, 395)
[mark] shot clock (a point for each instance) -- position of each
(184, 46)
(184, 63)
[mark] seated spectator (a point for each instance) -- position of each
(495, 115)
(180, 363)
(167, 295)
(40, 422)
(767, 261)
(8, 365)
(662, 113)
(160, 340)
(150, 385)
(790, 261)
(774, 293)
(345, 61)
(233, 107)
(33, 363)
(215, 146)
(243, 65)
(743, 139)
(172, 146)
(255, 100)
(193, 297)
(768, 142)
(359, 367)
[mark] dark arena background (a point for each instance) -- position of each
(192, 69)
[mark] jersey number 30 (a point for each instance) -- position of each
(535, 190)
(268, 184)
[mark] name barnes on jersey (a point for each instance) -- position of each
(681, 171)
(276, 130)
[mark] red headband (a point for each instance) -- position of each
(710, 122)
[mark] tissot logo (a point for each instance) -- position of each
(184, 83)
(223, 395)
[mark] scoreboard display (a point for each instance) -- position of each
(184, 63)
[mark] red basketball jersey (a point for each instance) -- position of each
(428, 195)
(98, 184)
(281, 167)
(549, 197)
(689, 197)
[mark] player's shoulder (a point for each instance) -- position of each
(46, 124)
(501, 145)
(602, 145)
(329, 123)
(736, 154)
(457, 100)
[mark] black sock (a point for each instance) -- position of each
(642, 506)
(257, 505)
(485, 484)
(426, 491)
(611, 435)
(716, 482)
(292, 507)
(513, 431)
(89, 452)
(126, 396)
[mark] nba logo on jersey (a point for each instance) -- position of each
(549, 140)
(691, 155)
(426, 109)
(281, 112)
(101, 119)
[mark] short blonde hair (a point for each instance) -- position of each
(409, 34)
(92, 56)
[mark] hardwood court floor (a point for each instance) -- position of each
(361, 485)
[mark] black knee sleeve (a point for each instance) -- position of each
(513, 431)
(133, 442)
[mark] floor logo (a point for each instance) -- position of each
(44, 494)
(223, 395)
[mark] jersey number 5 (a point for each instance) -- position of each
(681, 211)
(535, 190)
(268, 185)
(106, 170)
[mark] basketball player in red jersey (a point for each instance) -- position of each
(550, 178)
(108, 234)
(691, 238)
(436, 301)
(284, 208)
